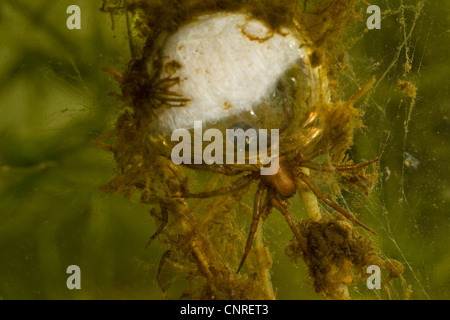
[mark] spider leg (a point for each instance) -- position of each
(223, 169)
(238, 185)
(170, 101)
(278, 204)
(336, 207)
(167, 82)
(165, 219)
(114, 73)
(254, 226)
(100, 141)
(353, 167)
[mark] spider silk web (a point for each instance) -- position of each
(395, 116)
(390, 136)
(402, 124)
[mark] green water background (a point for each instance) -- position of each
(54, 102)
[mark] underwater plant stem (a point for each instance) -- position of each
(195, 243)
(185, 223)
(264, 263)
(309, 200)
(197, 249)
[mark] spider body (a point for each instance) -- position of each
(283, 182)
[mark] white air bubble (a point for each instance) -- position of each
(230, 63)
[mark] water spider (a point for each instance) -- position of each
(278, 189)
(161, 95)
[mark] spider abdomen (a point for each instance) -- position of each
(283, 181)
